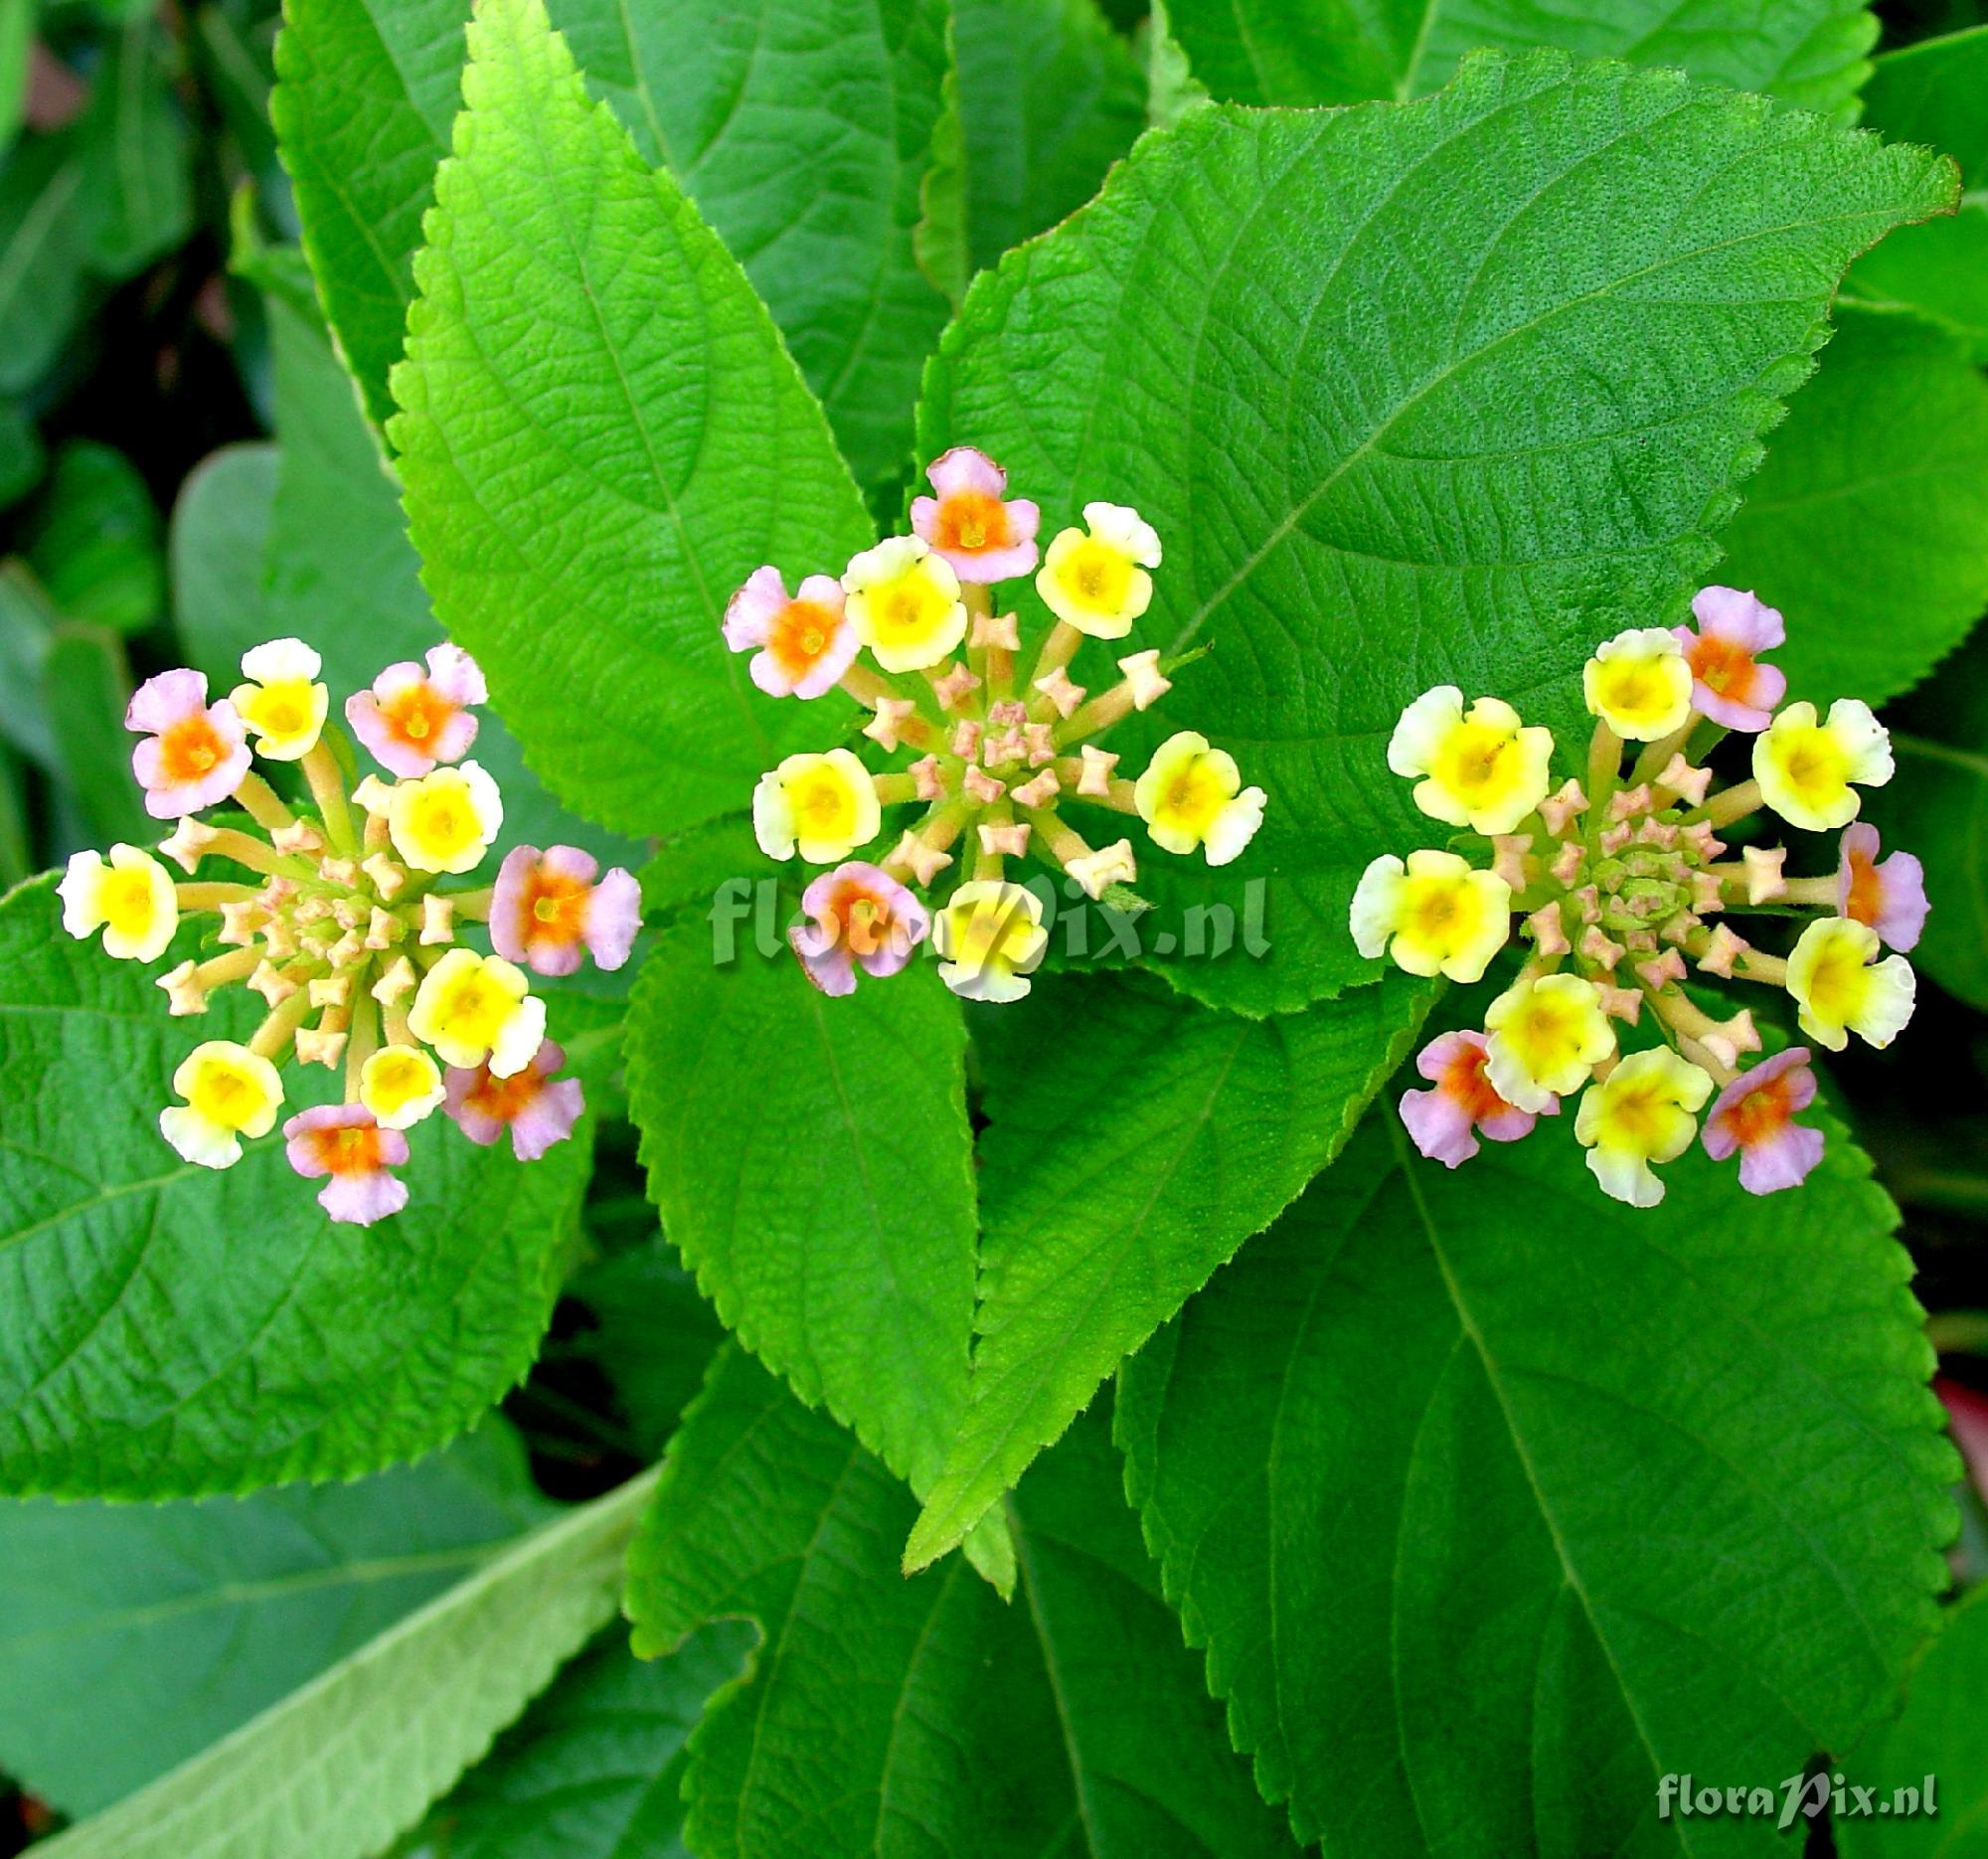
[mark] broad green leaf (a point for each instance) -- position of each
(1049, 98)
(95, 541)
(1299, 52)
(133, 1636)
(133, 144)
(1493, 1501)
(341, 1766)
(1939, 270)
(1936, 91)
(20, 453)
(84, 688)
(17, 856)
(594, 1769)
(884, 1717)
(17, 40)
(365, 92)
(1937, 1741)
(648, 1330)
(813, 1165)
(27, 624)
(1443, 392)
(1868, 524)
(602, 437)
(1134, 1140)
(170, 1331)
(216, 547)
(43, 264)
(847, 91)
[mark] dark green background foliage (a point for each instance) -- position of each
(1307, 1497)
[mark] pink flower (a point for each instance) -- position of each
(1890, 898)
(1755, 1113)
(547, 907)
(1445, 1122)
(536, 1108)
(805, 643)
(194, 754)
(982, 536)
(861, 915)
(1729, 684)
(411, 719)
(342, 1141)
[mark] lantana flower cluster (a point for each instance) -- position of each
(1626, 896)
(995, 751)
(344, 924)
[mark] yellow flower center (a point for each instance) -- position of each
(1096, 574)
(1814, 764)
(444, 823)
(1639, 1116)
(1635, 689)
(1194, 798)
(986, 933)
(281, 709)
(1440, 912)
(824, 805)
(226, 1094)
(909, 609)
(125, 899)
(1477, 763)
(397, 1076)
(1838, 983)
(1548, 1031)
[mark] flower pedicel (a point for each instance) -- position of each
(994, 752)
(1624, 887)
(343, 926)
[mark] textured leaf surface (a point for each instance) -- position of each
(1493, 1502)
(602, 437)
(594, 1769)
(802, 129)
(1443, 392)
(893, 1717)
(813, 1165)
(133, 1636)
(1939, 1735)
(166, 1330)
(340, 1768)
(1134, 1142)
(1868, 524)
(1810, 51)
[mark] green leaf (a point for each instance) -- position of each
(216, 547)
(1935, 93)
(27, 624)
(651, 1335)
(1868, 524)
(1049, 98)
(813, 1165)
(1302, 52)
(1524, 1499)
(887, 1717)
(136, 1636)
(17, 43)
(135, 155)
(1935, 1742)
(341, 1766)
(170, 1331)
(43, 263)
(1443, 392)
(848, 93)
(363, 102)
(1938, 270)
(1102, 1215)
(602, 437)
(20, 451)
(86, 686)
(594, 1769)
(95, 541)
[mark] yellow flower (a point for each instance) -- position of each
(1098, 582)
(826, 805)
(1805, 768)
(230, 1092)
(1484, 770)
(1440, 916)
(1841, 990)
(1639, 684)
(1546, 1037)
(903, 602)
(400, 1085)
(444, 821)
(280, 703)
(1193, 795)
(1643, 1112)
(990, 938)
(130, 899)
(470, 1005)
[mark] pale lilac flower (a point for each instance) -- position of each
(537, 1108)
(805, 642)
(194, 755)
(861, 917)
(1445, 1122)
(344, 1142)
(1890, 896)
(547, 905)
(1754, 1115)
(1729, 683)
(413, 720)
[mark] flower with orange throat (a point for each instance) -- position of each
(805, 642)
(342, 1145)
(414, 720)
(861, 917)
(537, 1108)
(982, 534)
(194, 754)
(549, 907)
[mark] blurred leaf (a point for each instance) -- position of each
(238, 74)
(27, 624)
(1493, 1501)
(1937, 92)
(219, 546)
(44, 243)
(86, 686)
(170, 1331)
(1938, 270)
(652, 1335)
(20, 451)
(134, 1636)
(17, 40)
(340, 1768)
(586, 502)
(135, 153)
(1867, 523)
(95, 543)
(885, 1716)
(594, 1769)
(17, 854)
